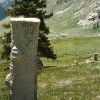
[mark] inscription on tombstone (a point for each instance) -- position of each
(25, 65)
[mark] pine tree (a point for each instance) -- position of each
(6, 43)
(35, 8)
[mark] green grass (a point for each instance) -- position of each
(62, 80)
(3, 72)
(0, 48)
(80, 82)
(70, 49)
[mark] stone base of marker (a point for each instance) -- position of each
(29, 86)
(25, 65)
(29, 93)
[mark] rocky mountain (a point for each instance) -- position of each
(5, 3)
(2, 14)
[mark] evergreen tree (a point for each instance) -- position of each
(6, 43)
(34, 8)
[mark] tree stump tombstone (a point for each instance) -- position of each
(25, 65)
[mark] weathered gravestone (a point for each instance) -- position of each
(25, 66)
(95, 57)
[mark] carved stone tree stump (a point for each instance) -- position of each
(25, 66)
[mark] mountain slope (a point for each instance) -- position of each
(67, 15)
(5, 3)
(2, 14)
(71, 17)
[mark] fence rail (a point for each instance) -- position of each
(67, 56)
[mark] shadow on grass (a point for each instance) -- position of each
(49, 66)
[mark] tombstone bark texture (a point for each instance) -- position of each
(25, 65)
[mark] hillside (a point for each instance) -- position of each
(72, 17)
(2, 14)
(67, 15)
(5, 3)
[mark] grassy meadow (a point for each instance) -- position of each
(73, 49)
(63, 79)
